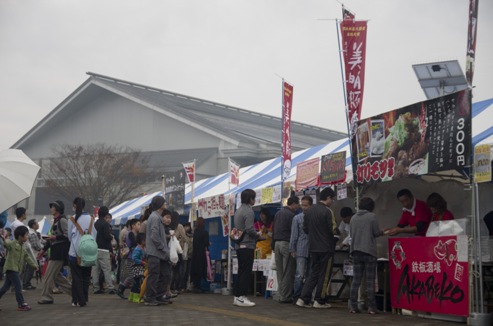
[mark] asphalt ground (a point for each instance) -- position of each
(188, 309)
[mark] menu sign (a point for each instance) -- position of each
(333, 168)
(174, 189)
(429, 136)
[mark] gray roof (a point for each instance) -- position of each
(244, 126)
(237, 123)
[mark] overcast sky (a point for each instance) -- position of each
(229, 51)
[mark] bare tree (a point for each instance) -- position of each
(99, 173)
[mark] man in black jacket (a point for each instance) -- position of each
(317, 224)
(103, 239)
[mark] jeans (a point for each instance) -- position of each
(102, 264)
(367, 264)
(13, 279)
(300, 275)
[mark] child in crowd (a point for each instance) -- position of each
(138, 257)
(16, 257)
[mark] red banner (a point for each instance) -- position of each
(353, 33)
(430, 274)
(307, 174)
(471, 39)
(190, 170)
(286, 129)
(234, 172)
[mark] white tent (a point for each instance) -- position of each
(268, 173)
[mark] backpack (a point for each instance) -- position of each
(87, 250)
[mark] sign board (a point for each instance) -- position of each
(430, 136)
(432, 276)
(333, 168)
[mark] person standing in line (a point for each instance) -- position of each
(81, 275)
(179, 268)
(415, 218)
(130, 242)
(157, 250)
(103, 264)
(187, 259)
(298, 247)
(59, 245)
(317, 224)
(20, 214)
(35, 247)
(245, 248)
(364, 230)
(285, 263)
(199, 256)
(16, 256)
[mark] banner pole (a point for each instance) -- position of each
(228, 283)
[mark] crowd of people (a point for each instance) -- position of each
(143, 257)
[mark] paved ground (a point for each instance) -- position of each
(188, 309)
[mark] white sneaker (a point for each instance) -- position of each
(243, 301)
(301, 303)
(321, 306)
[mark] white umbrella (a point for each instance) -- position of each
(17, 175)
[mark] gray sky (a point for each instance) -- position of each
(229, 51)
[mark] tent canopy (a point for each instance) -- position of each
(268, 173)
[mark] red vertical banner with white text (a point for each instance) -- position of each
(287, 102)
(471, 39)
(353, 36)
(190, 170)
(234, 172)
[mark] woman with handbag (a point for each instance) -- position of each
(199, 257)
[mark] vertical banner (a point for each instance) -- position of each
(174, 189)
(353, 35)
(234, 172)
(287, 102)
(471, 39)
(190, 170)
(430, 274)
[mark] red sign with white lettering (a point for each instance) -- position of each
(430, 274)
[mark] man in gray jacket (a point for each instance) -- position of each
(245, 247)
(157, 254)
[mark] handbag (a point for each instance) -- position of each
(210, 275)
(173, 253)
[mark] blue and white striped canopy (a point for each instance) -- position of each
(268, 173)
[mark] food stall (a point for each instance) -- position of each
(408, 148)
